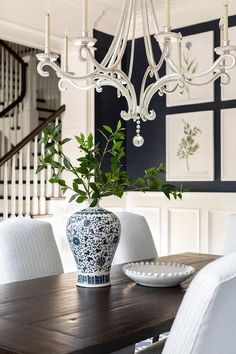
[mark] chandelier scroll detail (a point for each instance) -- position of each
(109, 72)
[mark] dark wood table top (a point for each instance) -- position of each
(53, 316)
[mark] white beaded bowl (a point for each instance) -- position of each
(158, 274)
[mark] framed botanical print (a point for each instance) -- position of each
(228, 144)
(190, 146)
(197, 55)
(228, 92)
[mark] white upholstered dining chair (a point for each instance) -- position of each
(230, 236)
(27, 250)
(205, 322)
(136, 243)
(136, 240)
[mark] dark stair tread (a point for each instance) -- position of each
(24, 197)
(24, 167)
(46, 109)
(9, 215)
(42, 100)
(24, 182)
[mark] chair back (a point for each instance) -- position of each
(136, 242)
(230, 235)
(27, 250)
(205, 322)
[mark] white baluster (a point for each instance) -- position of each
(11, 113)
(2, 152)
(20, 181)
(56, 187)
(27, 189)
(13, 186)
(5, 192)
(19, 88)
(35, 179)
(7, 86)
(49, 186)
(6, 80)
(2, 73)
(42, 199)
(15, 97)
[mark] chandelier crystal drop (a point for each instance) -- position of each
(109, 72)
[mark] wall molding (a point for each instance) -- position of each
(202, 216)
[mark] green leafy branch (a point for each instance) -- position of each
(90, 181)
(188, 146)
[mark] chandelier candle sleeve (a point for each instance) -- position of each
(167, 12)
(226, 24)
(221, 27)
(179, 54)
(66, 52)
(47, 32)
(85, 16)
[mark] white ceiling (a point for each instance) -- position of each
(23, 20)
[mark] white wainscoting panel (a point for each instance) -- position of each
(217, 228)
(152, 215)
(183, 226)
(197, 223)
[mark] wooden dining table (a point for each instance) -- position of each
(52, 315)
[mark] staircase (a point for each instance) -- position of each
(22, 192)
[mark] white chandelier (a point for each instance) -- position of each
(109, 72)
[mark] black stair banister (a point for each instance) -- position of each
(32, 135)
(23, 76)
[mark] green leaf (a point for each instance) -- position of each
(62, 183)
(78, 181)
(81, 199)
(55, 164)
(64, 141)
(40, 168)
(107, 128)
(66, 162)
(118, 125)
(73, 197)
(94, 187)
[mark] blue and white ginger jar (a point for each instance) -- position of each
(93, 235)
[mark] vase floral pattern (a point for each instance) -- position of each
(93, 235)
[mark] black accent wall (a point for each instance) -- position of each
(108, 107)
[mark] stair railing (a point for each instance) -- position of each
(12, 94)
(23, 192)
(7, 68)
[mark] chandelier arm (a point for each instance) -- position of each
(227, 82)
(131, 63)
(209, 70)
(162, 46)
(118, 33)
(144, 80)
(155, 21)
(127, 92)
(214, 77)
(122, 76)
(152, 89)
(60, 72)
(146, 33)
(149, 70)
(122, 38)
(168, 91)
(74, 84)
